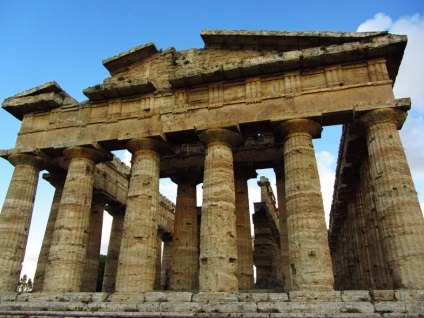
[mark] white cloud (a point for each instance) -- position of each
(412, 137)
(126, 157)
(107, 225)
(31, 258)
(326, 168)
(380, 22)
(411, 73)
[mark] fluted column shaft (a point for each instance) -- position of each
(244, 232)
(91, 267)
(218, 233)
(15, 217)
(402, 223)
(282, 217)
(185, 247)
(68, 250)
(158, 263)
(309, 253)
(379, 271)
(166, 264)
(136, 269)
(111, 266)
(58, 182)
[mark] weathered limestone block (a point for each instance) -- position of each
(68, 250)
(397, 205)
(15, 217)
(309, 254)
(356, 295)
(111, 266)
(244, 235)
(315, 295)
(89, 278)
(218, 233)
(223, 297)
(136, 269)
(185, 246)
(58, 182)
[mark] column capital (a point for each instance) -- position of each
(147, 143)
(191, 176)
(27, 159)
(220, 135)
(56, 179)
(384, 115)
(84, 153)
(243, 172)
(293, 126)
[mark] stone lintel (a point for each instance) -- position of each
(321, 51)
(282, 40)
(119, 88)
(18, 107)
(41, 98)
(121, 61)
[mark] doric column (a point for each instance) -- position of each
(218, 233)
(158, 263)
(136, 270)
(185, 247)
(397, 205)
(166, 262)
(111, 267)
(58, 181)
(67, 254)
(379, 272)
(309, 254)
(244, 231)
(282, 218)
(15, 217)
(91, 267)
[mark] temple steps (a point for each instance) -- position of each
(352, 303)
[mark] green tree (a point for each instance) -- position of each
(100, 273)
(24, 284)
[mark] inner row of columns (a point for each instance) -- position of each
(306, 265)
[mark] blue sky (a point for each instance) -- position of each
(66, 41)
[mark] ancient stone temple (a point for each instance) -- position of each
(246, 101)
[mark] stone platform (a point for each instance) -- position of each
(358, 303)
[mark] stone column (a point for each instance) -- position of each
(15, 217)
(136, 270)
(166, 262)
(91, 267)
(378, 263)
(111, 267)
(397, 205)
(58, 181)
(67, 254)
(244, 231)
(218, 233)
(309, 254)
(158, 264)
(282, 218)
(185, 247)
